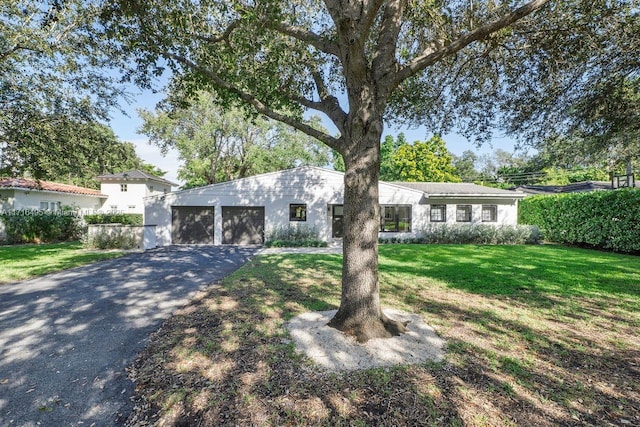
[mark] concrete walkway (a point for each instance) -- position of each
(333, 249)
(66, 338)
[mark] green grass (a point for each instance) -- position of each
(20, 262)
(536, 335)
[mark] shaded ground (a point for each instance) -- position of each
(543, 336)
(66, 338)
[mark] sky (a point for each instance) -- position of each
(126, 129)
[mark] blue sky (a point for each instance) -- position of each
(126, 129)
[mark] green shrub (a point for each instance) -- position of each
(37, 226)
(296, 236)
(117, 238)
(124, 218)
(480, 234)
(600, 219)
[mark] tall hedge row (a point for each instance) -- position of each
(37, 226)
(602, 219)
(124, 218)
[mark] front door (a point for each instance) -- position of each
(337, 221)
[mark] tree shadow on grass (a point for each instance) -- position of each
(226, 360)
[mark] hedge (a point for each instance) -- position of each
(38, 226)
(294, 236)
(125, 219)
(477, 234)
(601, 219)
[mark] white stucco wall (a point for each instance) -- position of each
(318, 189)
(31, 199)
(132, 200)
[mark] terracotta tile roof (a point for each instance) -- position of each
(32, 184)
(134, 175)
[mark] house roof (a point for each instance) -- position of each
(56, 187)
(464, 189)
(577, 187)
(134, 175)
(430, 189)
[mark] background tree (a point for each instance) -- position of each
(68, 151)
(428, 161)
(388, 149)
(465, 166)
(220, 145)
(280, 58)
(53, 71)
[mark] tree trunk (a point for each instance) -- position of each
(360, 313)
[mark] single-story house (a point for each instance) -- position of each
(243, 210)
(26, 193)
(126, 190)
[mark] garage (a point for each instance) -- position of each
(192, 225)
(242, 225)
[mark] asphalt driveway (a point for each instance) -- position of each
(66, 338)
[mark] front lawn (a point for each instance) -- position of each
(20, 262)
(537, 335)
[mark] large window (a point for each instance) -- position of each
(489, 213)
(463, 213)
(438, 213)
(297, 212)
(49, 206)
(395, 218)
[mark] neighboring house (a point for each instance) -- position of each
(25, 193)
(241, 211)
(577, 187)
(126, 190)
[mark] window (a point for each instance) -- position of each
(463, 213)
(132, 208)
(438, 213)
(395, 218)
(44, 206)
(123, 188)
(297, 212)
(489, 213)
(151, 188)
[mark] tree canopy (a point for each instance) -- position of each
(55, 75)
(68, 151)
(428, 161)
(220, 145)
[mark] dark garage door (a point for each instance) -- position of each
(192, 225)
(242, 225)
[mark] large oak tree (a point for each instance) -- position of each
(345, 59)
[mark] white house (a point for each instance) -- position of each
(126, 190)
(241, 211)
(25, 193)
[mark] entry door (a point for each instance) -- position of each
(242, 225)
(192, 225)
(337, 221)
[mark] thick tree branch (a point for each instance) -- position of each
(430, 57)
(309, 37)
(256, 103)
(384, 56)
(370, 12)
